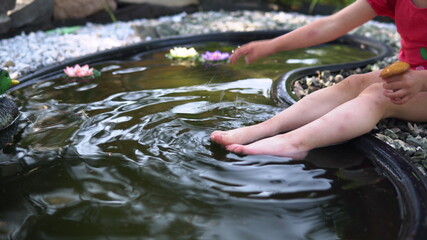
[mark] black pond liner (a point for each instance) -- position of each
(410, 184)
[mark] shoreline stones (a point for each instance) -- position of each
(27, 53)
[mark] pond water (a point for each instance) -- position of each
(132, 159)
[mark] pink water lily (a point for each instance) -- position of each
(79, 72)
(215, 56)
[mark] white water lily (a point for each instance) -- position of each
(182, 52)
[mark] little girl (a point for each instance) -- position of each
(355, 105)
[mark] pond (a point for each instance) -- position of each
(133, 160)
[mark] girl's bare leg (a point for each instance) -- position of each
(349, 120)
(304, 111)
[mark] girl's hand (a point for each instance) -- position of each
(253, 51)
(401, 88)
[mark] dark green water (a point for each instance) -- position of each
(133, 160)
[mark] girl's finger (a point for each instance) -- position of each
(392, 79)
(392, 85)
(238, 52)
(399, 101)
(234, 58)
(400, 93)
(247, 59)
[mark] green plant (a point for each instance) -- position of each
(109, 11)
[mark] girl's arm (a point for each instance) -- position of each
(314, 33)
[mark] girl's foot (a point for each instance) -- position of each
(276, 146)
(242, 135)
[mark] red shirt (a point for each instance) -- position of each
(411, 24)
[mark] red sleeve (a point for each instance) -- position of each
(383, 7)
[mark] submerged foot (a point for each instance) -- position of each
(242, 135)
(227, 137)
(275, 146)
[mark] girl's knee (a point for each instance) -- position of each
(358, 82)
(375, 96)
(375, 92)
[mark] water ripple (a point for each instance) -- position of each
(134, 159)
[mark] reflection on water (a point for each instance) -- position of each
(133, 160)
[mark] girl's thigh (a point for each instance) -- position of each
(413, 110)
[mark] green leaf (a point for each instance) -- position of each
(65, 30)
(96, 73)
(423, 53)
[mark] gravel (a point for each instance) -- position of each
(26, 53)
